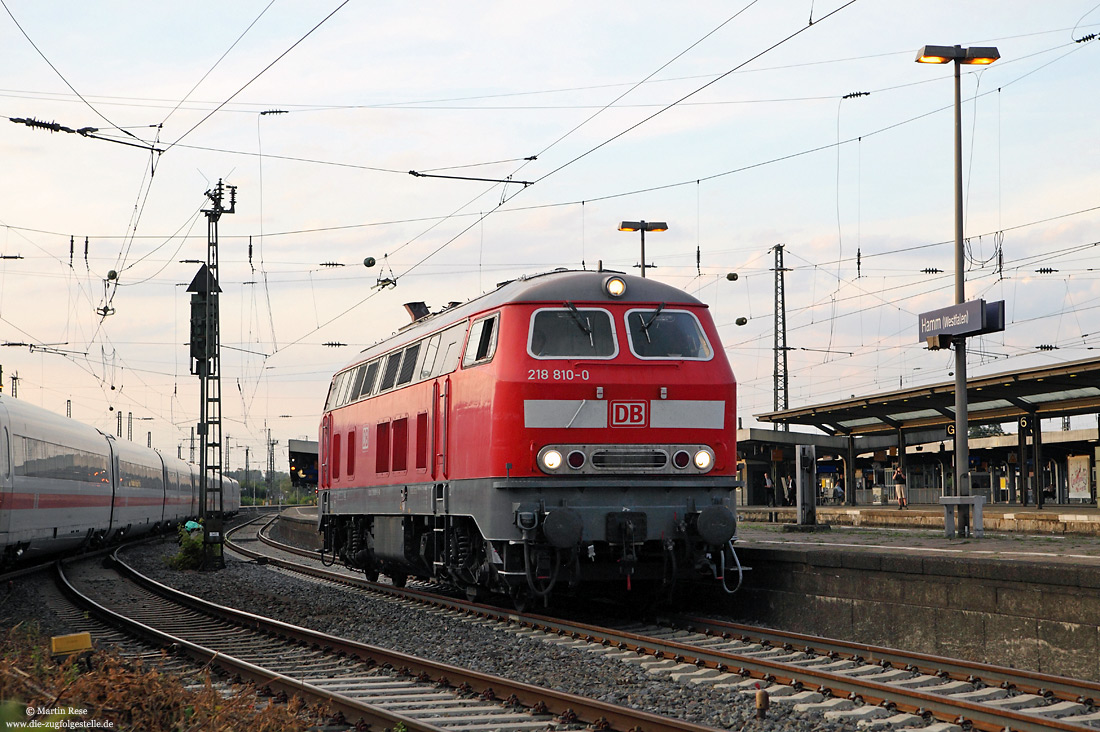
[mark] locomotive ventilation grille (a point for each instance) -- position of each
(629, 459)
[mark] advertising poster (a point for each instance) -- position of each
(1079, 474)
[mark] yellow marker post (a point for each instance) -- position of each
(63, 645)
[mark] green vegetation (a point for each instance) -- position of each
(190, 554)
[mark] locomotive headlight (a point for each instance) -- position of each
(551, 460)
(615, 286)
(704, 459)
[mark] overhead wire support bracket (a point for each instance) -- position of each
(417, 174)
(89, 132)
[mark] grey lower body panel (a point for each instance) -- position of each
(495, 503)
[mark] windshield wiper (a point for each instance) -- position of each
(647, 323)
(582, 323)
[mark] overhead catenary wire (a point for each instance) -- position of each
(258, 74)
(582, 203)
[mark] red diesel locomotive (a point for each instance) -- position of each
(567, 428)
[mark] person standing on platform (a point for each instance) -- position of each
(899, 487)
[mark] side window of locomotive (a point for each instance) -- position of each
(356, 384)
(482, 343)
(389, 376)
(572, 333)
(667, 334)
(370, 376)
(5, 451)
(408, 364)
(450, 344)
(431, 350)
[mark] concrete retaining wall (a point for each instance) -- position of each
(296, 531)
(1039, 617)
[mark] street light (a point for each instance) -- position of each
(982, 57)
(643, 226)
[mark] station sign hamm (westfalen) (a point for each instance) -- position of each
(965, 319)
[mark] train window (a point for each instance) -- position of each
(431, 350)
(572, 333)
(5, 462)
(482, 343)
(393, 361)
(370, 376)
(408, 364)
(382, 447)
(667, 334)
(140, 477)
(40, 459)
(400, 431)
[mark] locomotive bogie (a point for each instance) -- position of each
(565, 429)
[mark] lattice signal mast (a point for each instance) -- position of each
(779, 372)
(206, 364)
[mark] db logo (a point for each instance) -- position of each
(628, 414)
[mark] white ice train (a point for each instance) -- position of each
(64, 485)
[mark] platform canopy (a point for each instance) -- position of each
(1060, 390)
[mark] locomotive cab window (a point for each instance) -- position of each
(572, 332)
(482, 343)
(667, 334)
(335, 389)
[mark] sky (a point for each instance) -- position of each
(743, 125)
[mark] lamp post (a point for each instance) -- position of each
(643, 226)
(982, 57)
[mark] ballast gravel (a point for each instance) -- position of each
(455, 640)
(434, 635)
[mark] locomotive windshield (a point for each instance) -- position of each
(572, 332)
(661, 333)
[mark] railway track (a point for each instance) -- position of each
(362, 683)
(879, 687)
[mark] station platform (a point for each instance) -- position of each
(1026, 594)
(1081, 520)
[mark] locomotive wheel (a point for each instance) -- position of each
(521, 598)
(399, 580)
(371, 574)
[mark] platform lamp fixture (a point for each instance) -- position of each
(981, 57)
(643, 226)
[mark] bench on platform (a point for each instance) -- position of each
(965, 505)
